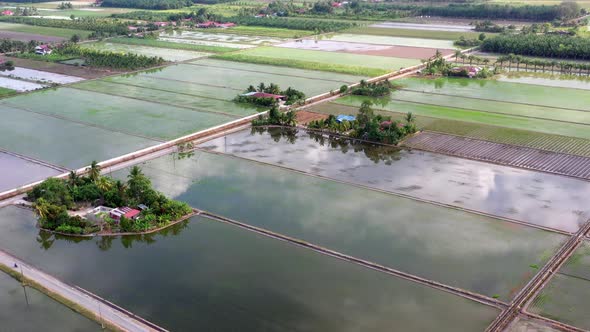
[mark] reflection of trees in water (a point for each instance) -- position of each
(373, 152)
(104, 243)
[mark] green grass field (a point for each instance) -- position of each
(532, 139)
(4, 92)
(355, 64)
(166, 54)
(43, 31)
(171, 45)
(395, 32)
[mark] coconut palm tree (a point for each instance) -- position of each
(457, 55)
(103, 184)
(410, 118)
(41, 208)
(94, 171)
(73, 179)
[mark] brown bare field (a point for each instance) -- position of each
(305, 117)
(58, 68)
(407, 52)
(25, 37)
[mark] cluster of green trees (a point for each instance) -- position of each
(97, 58)
(379, 89)
(292, 23)
(369, 126)
(148, 4)
(65, 5)
(556, 46)
(9, 46)
(25, 11)
(535, 65)
(276, 118)
(292, 96)
(564, 11)
(489, 26)
(54, 197)
(104, 26)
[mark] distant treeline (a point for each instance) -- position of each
(148, 4)
(556, 46)
(291, 23)
(566, 10)
(30, 1)
(90, 24)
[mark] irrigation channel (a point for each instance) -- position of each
(101, 308)
(503, 154)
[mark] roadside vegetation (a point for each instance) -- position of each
(379, 89)
(276, 118)
(53, 198)
(369, 126)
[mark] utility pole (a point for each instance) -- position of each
(22, 275)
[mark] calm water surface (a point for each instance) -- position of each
(206, 275)
(539, 198)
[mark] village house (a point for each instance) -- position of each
(256, 94)
(43, 49)
(7, 13)
(125, 211)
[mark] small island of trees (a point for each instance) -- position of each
(60, 204)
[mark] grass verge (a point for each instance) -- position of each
(310, 65)
(72, 305)
(171, 45)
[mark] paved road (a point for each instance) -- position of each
(109, 312)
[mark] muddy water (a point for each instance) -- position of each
(534, 197)
(15, 172)
(36, 311)
(209, 276)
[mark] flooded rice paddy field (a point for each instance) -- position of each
(565, 297)
(393, 41)
(15, 171)
(557, 81)
(487, 255)
(539, 198)
(522, 324)
(63, 142)
(18, 85)
(166, 54)
(228, 278)
(36, 311)
(230, 38)
(428, 27)
(38, 75)
(343, 59)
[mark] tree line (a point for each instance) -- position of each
(535, 65)
(566, 10)
(290, 23)
(86, 23)
(96, 58)
(148, 4)
(556, 46)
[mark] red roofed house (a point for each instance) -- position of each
(208, 24)
(126, 212)
(43, 50)
(7, 13)
(263, 95)
(161, 24)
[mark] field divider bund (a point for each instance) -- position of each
(373, 266)
(406, 196)
(528, 293)
(492, 100)
(192, 109)
(134, 321)
(553, 323)
(36, 161)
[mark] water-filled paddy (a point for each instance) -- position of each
(127, 115)
(166, 54)
(431, 241)
(38, 75)
(62, 142)
(220, 37)
(393, 41)
(36, 312)
(428, 27)
(557, 81)
(15, 172)
(502, 91)
(230, 279)
(18, 85)
(539, 198)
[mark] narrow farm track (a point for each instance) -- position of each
(502, 154)
(534, 286)
(269, 73)
(102, 309)
(374, 266)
